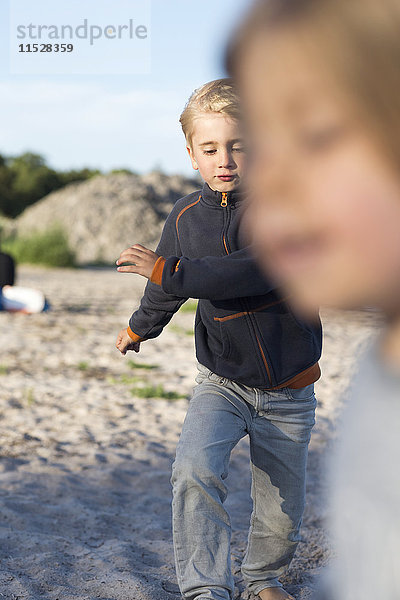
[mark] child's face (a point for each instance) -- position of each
(217, 151)
(326, 208)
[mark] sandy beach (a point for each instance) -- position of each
(86, 450)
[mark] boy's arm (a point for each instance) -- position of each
(157, 307)
(235, 275)
(155, 312)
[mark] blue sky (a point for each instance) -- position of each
(110, 121)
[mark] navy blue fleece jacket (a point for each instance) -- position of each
(244, 329)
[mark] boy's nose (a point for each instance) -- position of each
(226, 160)
(273, 173)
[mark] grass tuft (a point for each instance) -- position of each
(180, 330)
(127, 380)
(158, 391)
(135, 365)
(29, 396)
(189, 307)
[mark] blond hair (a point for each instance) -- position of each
(359, 42)
(217, 96)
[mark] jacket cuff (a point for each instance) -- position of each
(133, 336)
(156, 275)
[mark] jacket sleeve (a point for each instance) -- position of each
(157, 306)
(236, 275)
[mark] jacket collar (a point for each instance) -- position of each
(216, 199)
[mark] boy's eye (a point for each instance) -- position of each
(321, 139)
(239, 149)
(209, 151)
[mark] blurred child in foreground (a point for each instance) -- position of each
(320, 87)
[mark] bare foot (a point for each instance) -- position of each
(275, 593)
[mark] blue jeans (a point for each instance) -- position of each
(279, 425)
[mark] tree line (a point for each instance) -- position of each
(26, 178)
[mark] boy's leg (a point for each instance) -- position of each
(278, 444)
(216, 420)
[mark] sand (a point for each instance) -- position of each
(85, 462)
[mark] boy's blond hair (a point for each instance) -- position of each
(359, 43)
(217, 96)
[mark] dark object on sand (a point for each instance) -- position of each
(7, 270)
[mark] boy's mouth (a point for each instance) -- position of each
(226, 177)
(293, 255)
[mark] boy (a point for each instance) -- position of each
(257, 367)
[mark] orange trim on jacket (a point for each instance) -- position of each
(156, 274)
(133, 336)
(249, 312)
(184, 210)
(264, 359)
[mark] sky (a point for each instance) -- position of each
(109, 121)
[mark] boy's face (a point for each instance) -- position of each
(325, 213)
(217, 151)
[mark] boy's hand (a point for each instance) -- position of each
(125, 342)
(142, 258)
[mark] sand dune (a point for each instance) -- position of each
(85, 460)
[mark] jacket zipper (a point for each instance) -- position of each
(224, 203)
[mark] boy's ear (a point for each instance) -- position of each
(192, 158)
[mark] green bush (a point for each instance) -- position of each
(48, 248)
